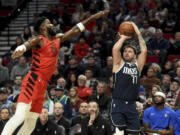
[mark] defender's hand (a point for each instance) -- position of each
(100, 14)
(19, 51)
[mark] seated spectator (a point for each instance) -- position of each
(173, 96)
(165, 83)
(167, 67)
(26, 34)
(52, 92)
(72, 81)
(106, 72)
(83, 109)
(4, 73)
(4, 117)
(4, 102)
(83, 91)
(75, 100)
(72, 67)
(17, 84)
(49, 104)
(20, 69)
(62, 82)
(91, 65)
(46, 126)
(150, 80)
(159, 119)
(175, 44)
(81, 48)
(59, 118)
(177, 123)
(149, 101)
(159, 46)
(142, 94)
(91, 82)
(64, 100)
(102, 99)
(95, 124)
(178, 73)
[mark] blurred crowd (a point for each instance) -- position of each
(84, 70)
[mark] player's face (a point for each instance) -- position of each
(129, 54)
(50, 27)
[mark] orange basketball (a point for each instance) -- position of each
(126, 29)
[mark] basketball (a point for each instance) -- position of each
(126, 29)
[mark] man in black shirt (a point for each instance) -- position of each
(45, 126)
(95, 124)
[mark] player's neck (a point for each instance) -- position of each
(160, 107)
(46, 35)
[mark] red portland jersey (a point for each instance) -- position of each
(44, 60)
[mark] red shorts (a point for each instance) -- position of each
(33, 90)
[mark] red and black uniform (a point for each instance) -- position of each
(44, 61)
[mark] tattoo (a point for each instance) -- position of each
(142, 42)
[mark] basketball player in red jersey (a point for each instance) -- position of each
(45, 52)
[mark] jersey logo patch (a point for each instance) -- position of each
(53, 50)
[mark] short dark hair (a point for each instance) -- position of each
(132, 47)
(38, 23)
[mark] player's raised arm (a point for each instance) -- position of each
(142, 56)
(117, 59)
(80, 27)
(26, 46)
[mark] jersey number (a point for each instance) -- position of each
(134, 79)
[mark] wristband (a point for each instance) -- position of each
(81, 27)
(21, 48)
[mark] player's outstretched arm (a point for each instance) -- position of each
(80, 27)
(142, 56)
(33, 42)
(117, 59)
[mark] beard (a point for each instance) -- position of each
(52, 32)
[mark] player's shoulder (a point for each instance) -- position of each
(150, 109)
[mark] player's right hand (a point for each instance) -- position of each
(18, 51)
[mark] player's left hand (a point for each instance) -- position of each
(100, 14)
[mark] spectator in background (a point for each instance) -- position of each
(49, 104)
(4, 102)
(17, 84)
(91, 65)
(101, 99)
(91, 82)
(165, 83)
(149, 101)
(45, 126)
(178, 73)
(78, 15)
(52, 92)
(90, 52)
(173, 96)
(64, 100)
(4, 73)
(167, 67)
(72, 81)
(75, 100)
(72, 67)
(20, 69)
(107, 70)
(159, 46)
(83, 91)
(26, 34)
(151, 79)
(4, 117)
(175, 44)
(59, 118)
(81, 48)
(62, 82)
(159, 119)
(95, 124)
(83, 109)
